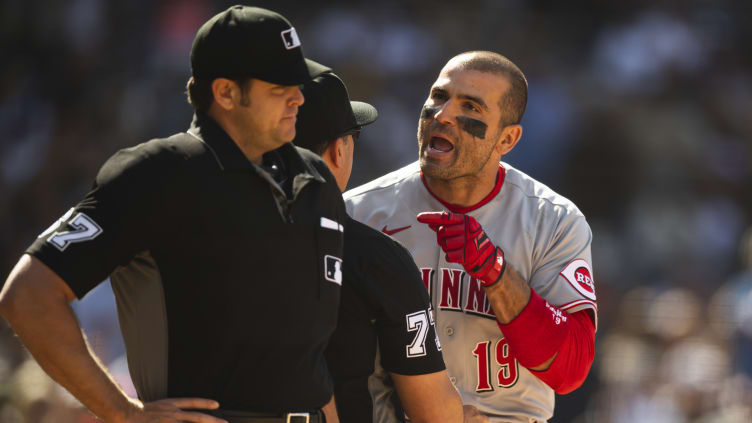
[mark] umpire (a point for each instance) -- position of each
(223, 244)
(385, 316)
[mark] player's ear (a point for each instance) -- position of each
(509, 137)
(225, 91)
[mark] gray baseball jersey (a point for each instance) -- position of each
(544, 237)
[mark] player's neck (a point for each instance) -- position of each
(465, 191)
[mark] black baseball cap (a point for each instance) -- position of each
(246, 41)
(328, 113)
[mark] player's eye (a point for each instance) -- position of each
(471, 107)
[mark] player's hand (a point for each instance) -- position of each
(174, 410)
(464, 242)
(472, 415)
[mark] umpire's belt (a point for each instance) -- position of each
(250, 417)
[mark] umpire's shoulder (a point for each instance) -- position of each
(315, 161)
(385, 271)
(152, 159)
(364, 234)
(367, 241)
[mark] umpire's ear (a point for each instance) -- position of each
(509, 137)
(334, 155)
(226, 93)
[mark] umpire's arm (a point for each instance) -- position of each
(35, 301)
(428, 398)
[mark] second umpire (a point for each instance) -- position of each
(223, 244)
(385, 321)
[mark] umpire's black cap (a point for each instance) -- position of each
(328, 113)
(252, 42)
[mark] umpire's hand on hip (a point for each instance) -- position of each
(173, 410)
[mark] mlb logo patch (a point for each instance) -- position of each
(333, 269)
(290, 38)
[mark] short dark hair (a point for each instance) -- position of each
(514, 102)
(321, 146)
(200, 95)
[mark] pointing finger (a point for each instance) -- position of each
(430, 217)
(442, 218)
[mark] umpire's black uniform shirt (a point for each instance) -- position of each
(385, 324)
(227, 282)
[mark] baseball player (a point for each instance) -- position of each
(383, 301)
(505, 259)
(223, 245)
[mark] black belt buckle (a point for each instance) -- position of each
(298, 418)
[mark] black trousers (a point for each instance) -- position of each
(235, 416)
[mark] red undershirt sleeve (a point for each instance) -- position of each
(541, 331)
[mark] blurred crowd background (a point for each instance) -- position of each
(641, 114)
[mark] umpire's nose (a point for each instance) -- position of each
(297, 98)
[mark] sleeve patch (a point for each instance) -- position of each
(331, 224)
(580, 276)
(83, 228)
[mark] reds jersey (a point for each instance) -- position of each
(544, 237)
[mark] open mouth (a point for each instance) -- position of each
(440, 144)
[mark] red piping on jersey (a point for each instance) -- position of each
(573, 304)
(462, 209)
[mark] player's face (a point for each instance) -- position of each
(271, 111)
(460, 123)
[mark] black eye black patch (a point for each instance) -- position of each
(428, 112)
(473, 127)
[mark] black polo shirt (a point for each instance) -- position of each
(384, 306)
(227, 287)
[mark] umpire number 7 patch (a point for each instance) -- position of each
(419, 322)
(83, 229)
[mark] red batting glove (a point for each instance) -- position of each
(464, 242)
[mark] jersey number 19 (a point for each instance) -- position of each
(507, 375)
